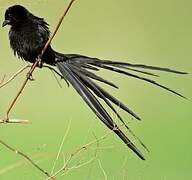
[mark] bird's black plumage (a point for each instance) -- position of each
(28, 35)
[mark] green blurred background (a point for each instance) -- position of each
(138, 31)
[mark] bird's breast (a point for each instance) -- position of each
(25, 44)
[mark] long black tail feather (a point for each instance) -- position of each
(144, 67)
(76, 69)
(141, 78)
(136, 70)
(94, 76)
(99, 92)
(94, 104)
(81, 59)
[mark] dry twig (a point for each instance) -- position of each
(21, 121)
(56, 72)
(37, 62)
(61, 146)
(2, 80)
(2, 84)
(102, 169)
(26, 158)
(65, 167)
(29, 74)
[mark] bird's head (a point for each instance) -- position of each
(15, 15)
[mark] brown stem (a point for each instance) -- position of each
(21, 89)
(21, 121)
(57, 27)
(38, 60)
(26, 158)
(75, 153)
(2, 84)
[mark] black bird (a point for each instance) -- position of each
(28, 35)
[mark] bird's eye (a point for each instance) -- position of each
(8, 16)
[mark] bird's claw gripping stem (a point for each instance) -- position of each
(30, 77)
(40, 63)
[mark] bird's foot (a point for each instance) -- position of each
(40, 63)
(30, 77)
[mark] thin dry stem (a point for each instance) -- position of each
(27, 158)
(57, 27)
(61, 146)
(38, 61)
(2, 84)
(54, 71)
(58, 82)
(78, 166)
(21, 121)
(102, 169)
(3, 78)
(29, 74)
(65, 167)
(75, 153)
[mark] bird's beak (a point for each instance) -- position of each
(5, 22)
